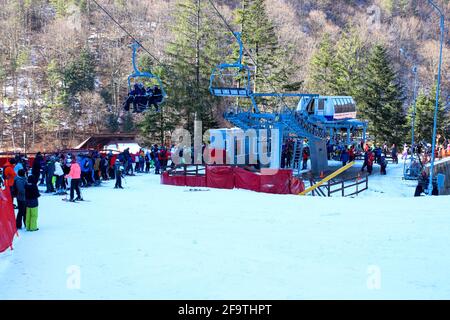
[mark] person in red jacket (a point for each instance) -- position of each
(163, 158)
(10, 174)
(75, 177)
(370, 159)
(351, 153)
(305, 157)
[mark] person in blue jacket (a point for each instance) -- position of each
(344, 157)
(85, 171)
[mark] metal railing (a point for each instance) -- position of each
(341, 187)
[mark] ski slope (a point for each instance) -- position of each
(152, 241)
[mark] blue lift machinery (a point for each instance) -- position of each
(319, 119)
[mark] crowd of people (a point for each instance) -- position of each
(371, 154)
(66, 174)
(422, 150)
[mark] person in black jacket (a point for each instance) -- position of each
(119, 174)
(36, 169)
(19, 183)
(49, 173)
(383, 165)
(32, 194)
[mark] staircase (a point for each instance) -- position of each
(298, 123)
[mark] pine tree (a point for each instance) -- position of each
(323, 68)
(128, 124)
(349, 66)
(193, 53)
(155, 126)
(260, 39)
(79, 75)
(382, 102)
(425, 117)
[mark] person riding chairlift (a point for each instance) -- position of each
(135, 97)
(155, 97)
(141, 97)
(131, 97)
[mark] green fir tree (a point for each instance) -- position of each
(424, 121)
(382, 102)
(192, 54)
(323, 68)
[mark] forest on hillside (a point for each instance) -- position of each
(64, 63)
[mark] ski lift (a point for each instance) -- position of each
(226, 78)
(138, 95)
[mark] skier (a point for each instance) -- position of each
(75, 176)
(163, 157)
(394, 153)
(119, 174)
(50, 172)
(370, 160)
(19, 185)
(32, 194)
(154, 156)
(97, 175)
(305, 158)
(36, 168)
(351, 154)
(147, 162)
(405, 152)
(9, 174)
(59, 174)
(104, 168)
(383, 165)
(43, 171)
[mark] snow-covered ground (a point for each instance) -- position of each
(152, 241)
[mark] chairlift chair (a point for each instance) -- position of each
(138, 74)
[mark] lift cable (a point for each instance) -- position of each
(279, 96)
(127, 32)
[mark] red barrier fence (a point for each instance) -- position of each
(7, 220)
(220, 177)
(227, 177)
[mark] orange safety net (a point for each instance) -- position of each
(7, 220)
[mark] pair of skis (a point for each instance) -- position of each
(75, 201)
